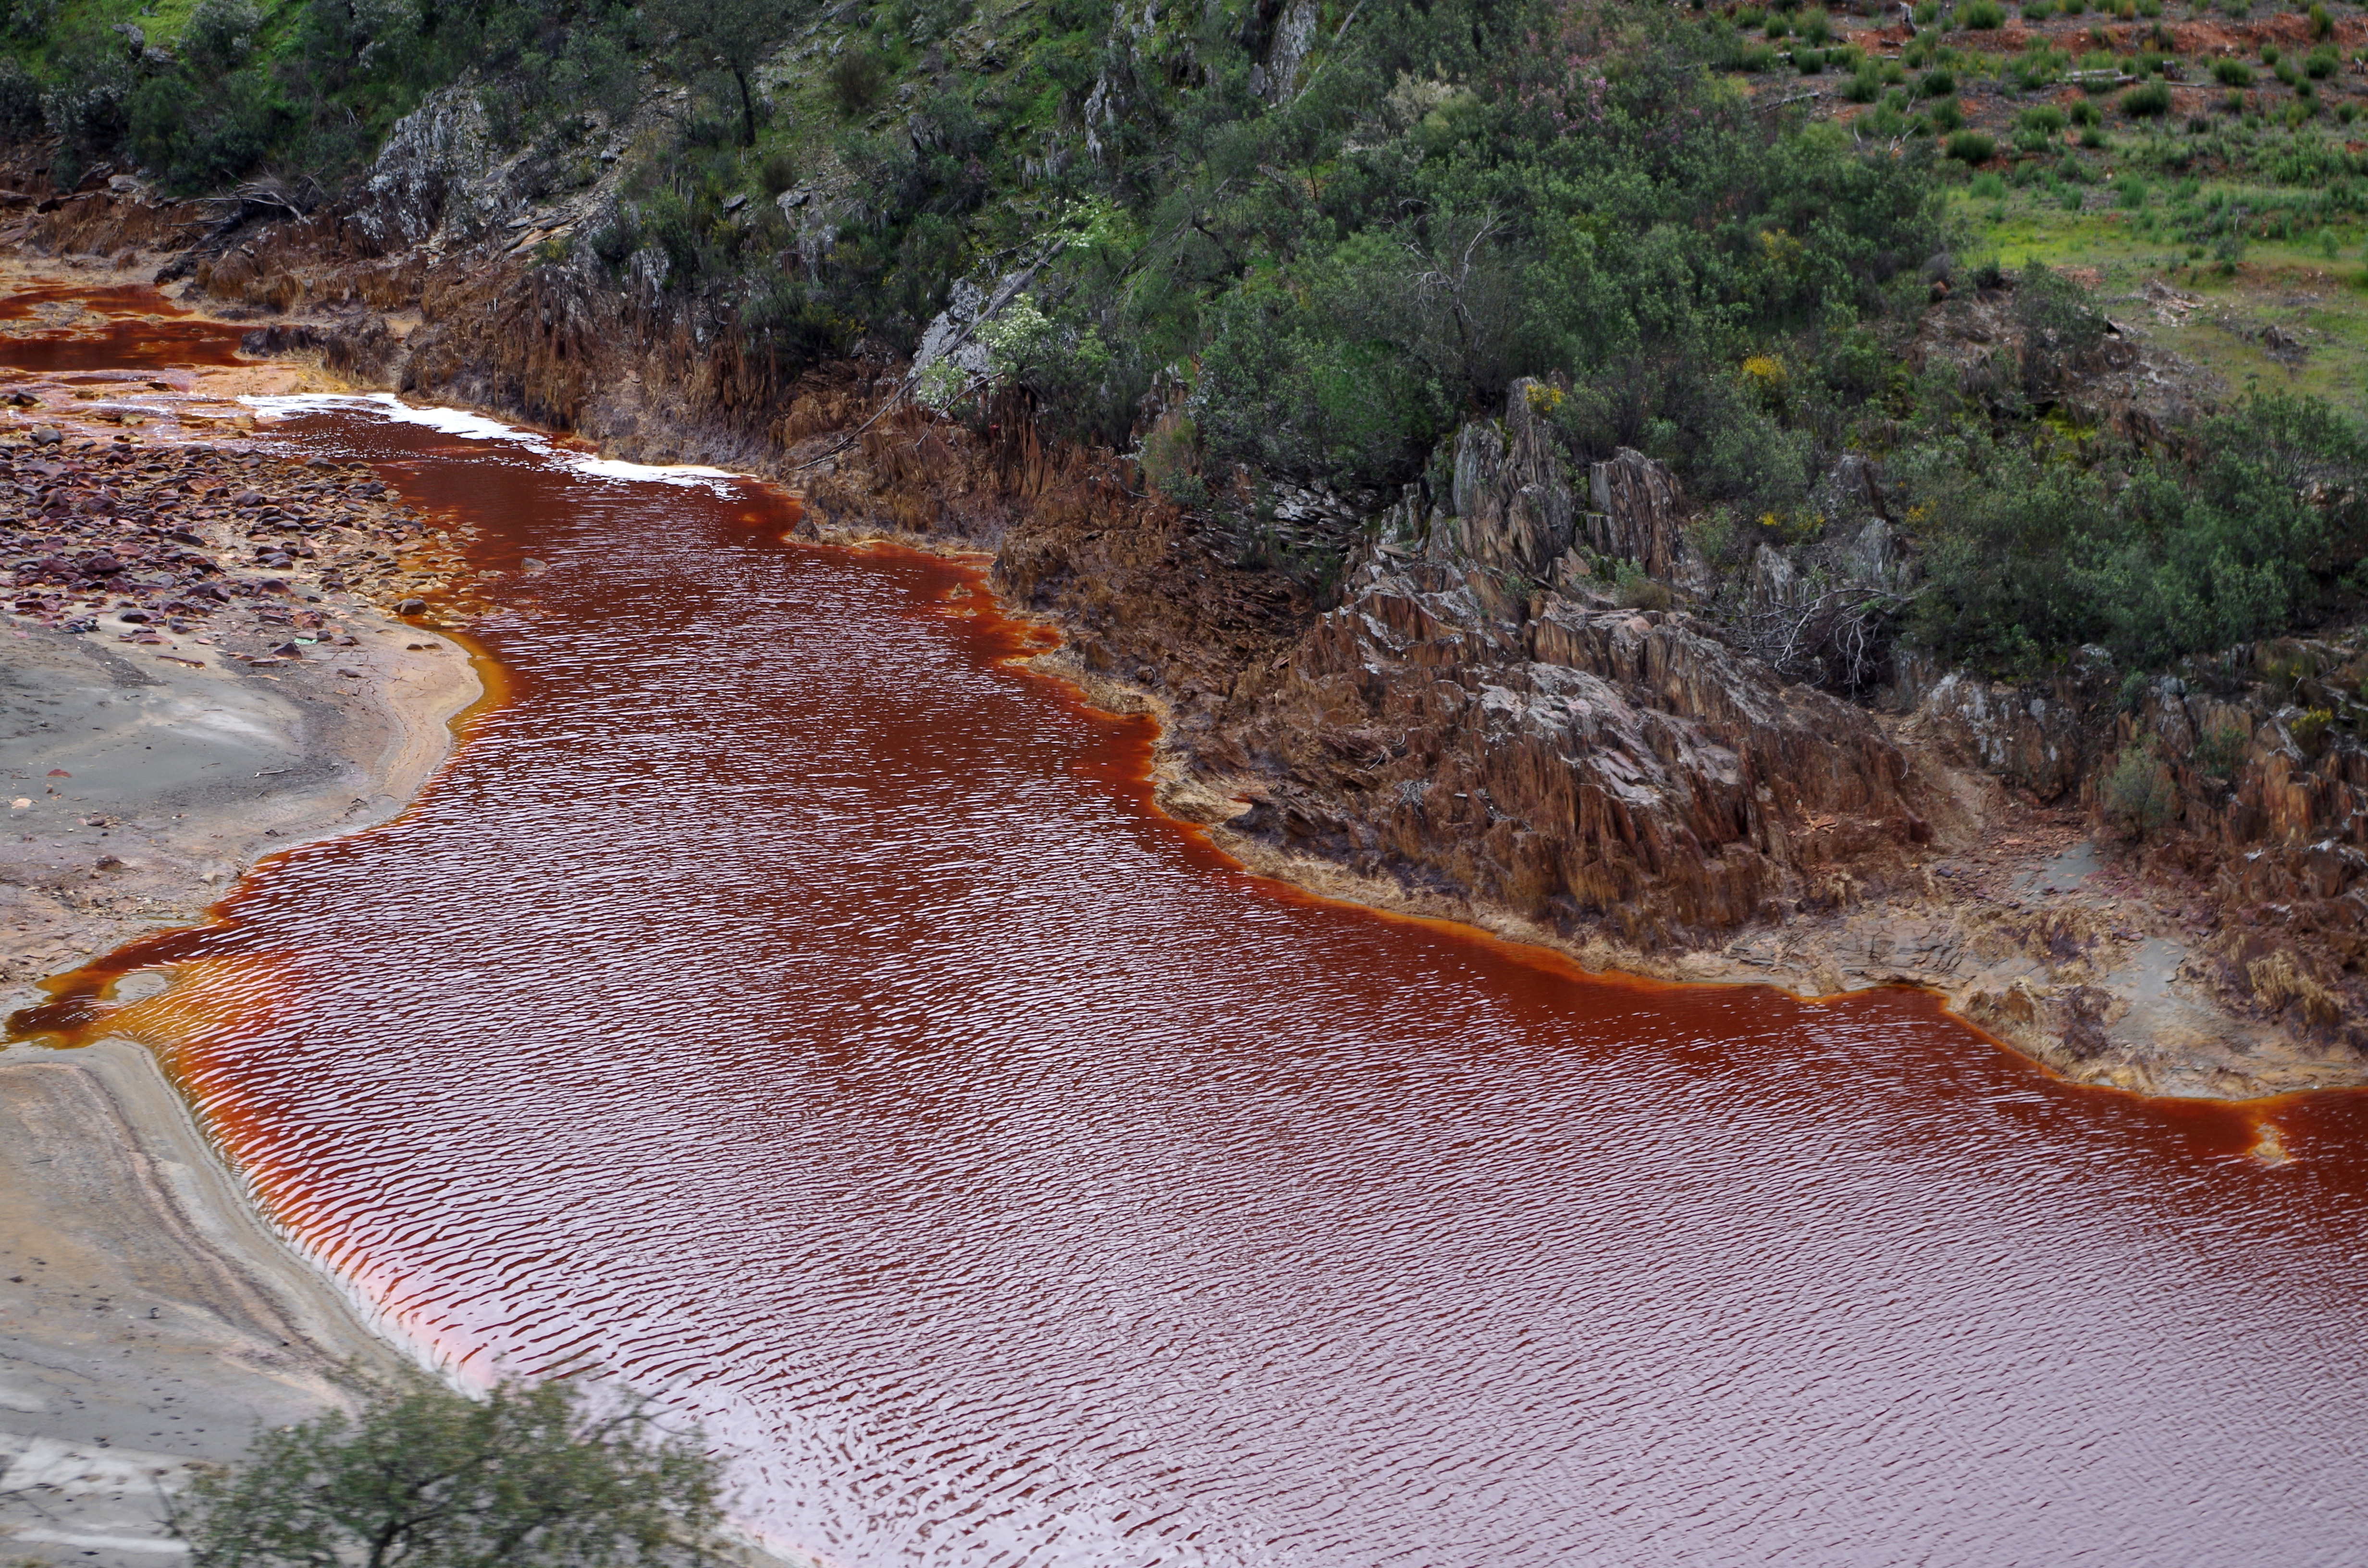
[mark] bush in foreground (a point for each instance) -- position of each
(530, 1476)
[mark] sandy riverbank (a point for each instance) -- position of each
(150, 1321)
(148, 1318)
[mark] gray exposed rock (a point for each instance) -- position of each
(1293, 37)
(1637, 513)
(948, 335)
(433, 167)
(1513, 491)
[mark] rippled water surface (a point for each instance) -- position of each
(786, 1003)
(116, 328)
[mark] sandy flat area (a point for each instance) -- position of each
(149, 1319)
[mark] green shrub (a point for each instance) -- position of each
(2029, 554)
(1983, 16)
(2045, 118)
(531, 1477)
(1987, 187)
(1971, 147)
(2038, 10)
(1809, 61)
(2321, 24)
(1865, 86)
(2146, 101)
(2320, 65)
(1937, 83)
(219, 33)
(1817, 27)
(2269, 54)
(2137, 793)
(2130, 191)
(1946, 116)
(20, 104)
(2220, 751)
(201, 138)
(856, 80)
(1632, 590)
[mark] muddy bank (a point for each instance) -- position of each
(150, 1324)
(199, 665)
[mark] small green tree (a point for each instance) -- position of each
(733, 36)
(530, 1476)
(2137, 793)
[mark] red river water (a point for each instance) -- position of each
(785, 1003)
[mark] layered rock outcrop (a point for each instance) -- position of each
(1456, 726)
(1584, 767)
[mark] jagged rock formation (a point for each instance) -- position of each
(2036, 735)
(1579, 763)
(2233, 780)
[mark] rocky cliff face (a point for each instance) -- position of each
(1455, 726)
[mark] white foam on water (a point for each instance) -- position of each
(476, 427)
(674, 473)
(450, 421)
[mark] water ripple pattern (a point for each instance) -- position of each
(790, 1005)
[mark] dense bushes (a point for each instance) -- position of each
(310, 90)
(1462, 212)
(2029, 552)
(1322, 277)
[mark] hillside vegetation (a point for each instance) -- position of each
(1256, 242)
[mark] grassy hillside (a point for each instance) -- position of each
(1304, 240)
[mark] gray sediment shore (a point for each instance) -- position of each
(150, 1319)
